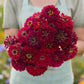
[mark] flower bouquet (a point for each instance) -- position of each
(46, 40)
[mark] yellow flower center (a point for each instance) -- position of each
(24, 34)
(39, 23)
(42, 58)
(71, 50)
(29, 56)
(65, 19)
(50, 13)
(29, 23)
(14, 52)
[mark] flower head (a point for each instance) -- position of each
(14, 52)
(18, 64)
(35, 70)
(10, 40)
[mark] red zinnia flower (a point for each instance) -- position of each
(46, 34)
(18, 64)
(35, 70)
(62, 37)
(10, 41)
(57, 59)
(33, 40)
(40, 23)
(14, 52)
(69, 52)
(22, 34)
(50, 12)
(43, 58)
(36, 15)
(28, 55)
(29, 22)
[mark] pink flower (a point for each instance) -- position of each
(11, 40)
(14, 52)
(35, 70)
(18, 64)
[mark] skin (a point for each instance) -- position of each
(42, 3)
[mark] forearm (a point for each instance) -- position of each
(80, 43)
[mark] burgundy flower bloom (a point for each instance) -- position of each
(74, 38)
(66, 21)
(46, 34)
(22, 34)
(19, 65)
(69, 52)
(40, 23)
(33, 40)
(36, 15)
(43, 58)
(28, 55)
(29, 22)
(62, 37)
(11, 40)
(57, 59)
(14, 52)
(50, 12)
(35, 70)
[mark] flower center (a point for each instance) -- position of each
(60, 35)
(45, 33)
(33, 40)
(29, 56)
(50, 45)
(42, 58)
(39, 23)
(24, 34)
(50, 13)
(64, 19)
(29, 23)
(55, 58)
(71, 50)
(52, 25)
(14, 52)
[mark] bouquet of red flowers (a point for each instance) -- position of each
(47, 39)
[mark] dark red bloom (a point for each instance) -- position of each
(29, 22)
(22, 34)
(69, 52)
(33, 40)
(50, 12)
(36, 15)
(43, 58)
(11, 40)
(40, 23)
(19, 65)
(57, 59)
(74, 38)
(35, 70)
(28, 54)
(14, 51)
(62, 37)
(46, 34)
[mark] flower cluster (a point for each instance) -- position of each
(47, 39)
